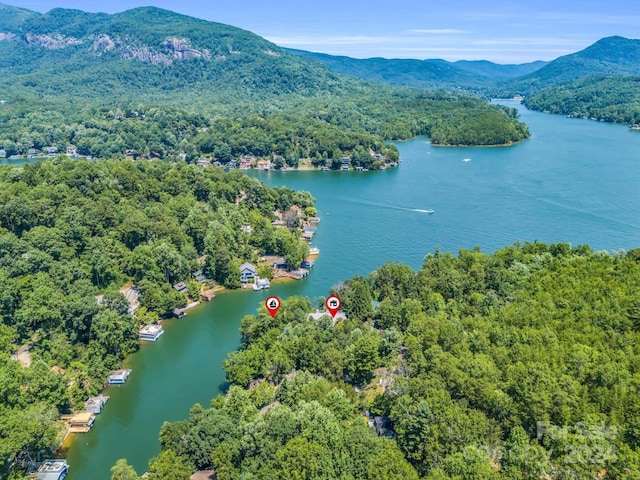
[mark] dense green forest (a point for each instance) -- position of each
(522, 364)
(613, 98)
(71, 230)
(313, 129)
(162, 84)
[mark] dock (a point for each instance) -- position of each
(181, 312)
(151, 332)
(119, 376)
(298, 274)
(81, 422)
(207, 295)
(52, 470)
(95, 404)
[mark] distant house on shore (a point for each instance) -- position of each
(3, 153)
(180, 287)
(247, 272)
(199, 276)
(280, 263)
(204, 475)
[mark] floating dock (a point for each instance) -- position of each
(95, 404)
(119, 376)
(151, 332)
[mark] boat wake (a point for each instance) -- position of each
(421, 210)
(392, 207)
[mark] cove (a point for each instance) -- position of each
(572, 181)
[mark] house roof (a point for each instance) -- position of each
(204, 475)
(248, 266)
(180, 286)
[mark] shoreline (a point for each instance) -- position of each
(500, 145)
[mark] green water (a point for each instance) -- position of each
(574, 180)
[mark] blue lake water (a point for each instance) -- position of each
(574, 181)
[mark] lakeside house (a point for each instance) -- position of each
(151, 332)
(307, 263)
(52, 470)
(204, 475)
(199, 276)
(3, 153)
(119, 376)
(317, 315)
(247, 272)
(95, 404)
(280, 263)
(180, 287)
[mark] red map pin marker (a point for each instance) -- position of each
(273, 305)
(333, 305)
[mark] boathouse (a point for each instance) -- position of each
(52, 470)
(95, 404)
(119, 376)
(151, 332)
(81, 422)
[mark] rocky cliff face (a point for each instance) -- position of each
(170, 50)
(54, 42)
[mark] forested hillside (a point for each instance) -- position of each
(71, 230)
(431, 73)
(74, 78)
(520, 364)
(608, 56)
(613, 98)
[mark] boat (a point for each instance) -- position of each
(634, 127)
(314, 251)
(466, 159)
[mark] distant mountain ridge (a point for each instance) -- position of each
(422, 73)
(609, 56)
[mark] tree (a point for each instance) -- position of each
(362, 358)
(169, 466)
(123, 471)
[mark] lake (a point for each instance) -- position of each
(573, 181)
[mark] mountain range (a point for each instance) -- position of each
(423, 73)
(149, 51)
(146, 53)
(611, 55)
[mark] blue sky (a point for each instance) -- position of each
(497, 30)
